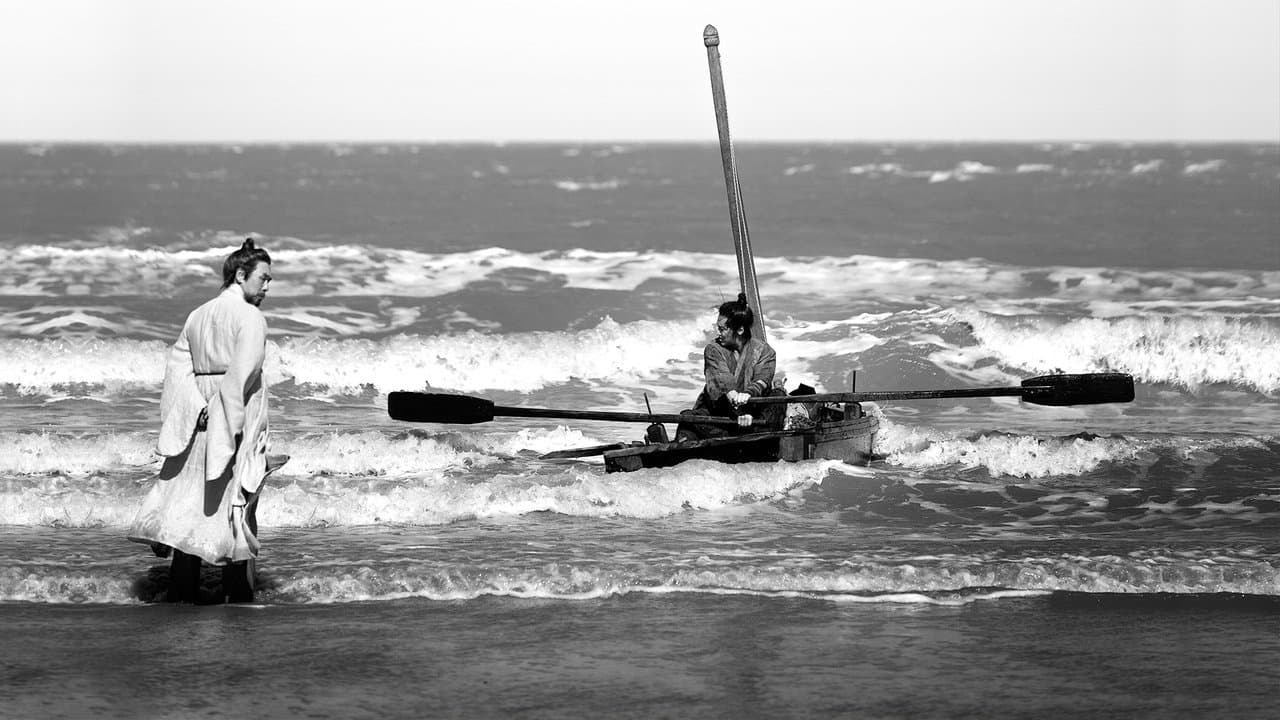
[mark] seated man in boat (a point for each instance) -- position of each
(737, 367)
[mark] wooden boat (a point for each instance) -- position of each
(842, 431)
(849, 439)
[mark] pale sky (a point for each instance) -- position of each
(577, 70)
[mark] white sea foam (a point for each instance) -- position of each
(578, 490)
(374, 478)
(76, 455)
(954, 581)
(355, 271)
(344, 321)
(970, 170)
(342, 270)
(580, 185)
(359, 454)
(664, 356)
(1133, 285)
(1180, 327)
(877, 169)
(888, 278)
(1019, 456)
(48, 320)
(49, 270)
(468, 361)
(1182, 351)
(1024, 456)
(416, 454)
(476, 361)
(963, 172)
(38, 367)
(1202, 168)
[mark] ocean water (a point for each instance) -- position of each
(999, 559)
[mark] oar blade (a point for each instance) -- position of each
(1079, 389)
(438, 408)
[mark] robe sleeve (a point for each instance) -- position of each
(242, 380)
(720, 377)
(761, 378)
(180, 401)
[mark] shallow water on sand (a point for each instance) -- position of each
(1066, 655)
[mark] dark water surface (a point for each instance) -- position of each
(1066, 655)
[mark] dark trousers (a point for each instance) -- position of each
(184, 578)
(185, 585)
(237, 577)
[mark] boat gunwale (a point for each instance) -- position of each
(821, 433)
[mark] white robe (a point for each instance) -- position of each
(198, 502)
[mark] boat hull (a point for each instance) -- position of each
(849, 440)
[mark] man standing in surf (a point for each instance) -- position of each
(213, 436)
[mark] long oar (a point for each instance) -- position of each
(583, 451)
(466, 410)
(737, 216)
(1083, 389)
(688, 445)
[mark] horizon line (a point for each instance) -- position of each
(651, 141)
